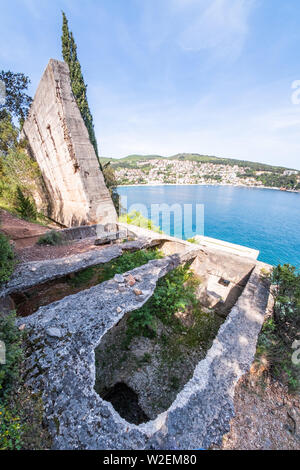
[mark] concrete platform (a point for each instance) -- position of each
(226, 246)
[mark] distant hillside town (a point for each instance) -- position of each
(197, 169)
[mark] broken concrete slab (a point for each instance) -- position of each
(110, 237)
(36, 272)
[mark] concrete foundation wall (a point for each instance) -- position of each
(59, 142)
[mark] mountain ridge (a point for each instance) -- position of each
(195, 157)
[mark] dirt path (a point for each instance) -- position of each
(25, 235)
(22, 232)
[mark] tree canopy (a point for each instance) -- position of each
(79, 88)
(16, 102)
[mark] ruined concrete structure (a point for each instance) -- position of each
(59, 142)
(64, 337)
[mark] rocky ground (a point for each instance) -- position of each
(267, 416)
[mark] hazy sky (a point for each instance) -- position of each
(169, 76)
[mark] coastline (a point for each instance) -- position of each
(208, 184)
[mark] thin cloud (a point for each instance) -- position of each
(222, 26)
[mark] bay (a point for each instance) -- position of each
(264, 219)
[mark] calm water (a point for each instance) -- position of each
(262, 219)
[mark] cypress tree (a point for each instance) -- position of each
(79, 88)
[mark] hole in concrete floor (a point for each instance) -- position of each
(28, 301)
(224, 282)
(125, 402)
(154, 350)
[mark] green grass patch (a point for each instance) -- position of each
(124, 263)
(50, 238)
(175, 293)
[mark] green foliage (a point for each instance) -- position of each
(17, 169)
(25, 206)
(279, 180)
(79, 88)
(11, 429)
(124, 263)
(192, 240)
(174, 292)
(136, 218)
(8, 134)
(111, 183)
(12, 338)
(6, 259)
(21, 413)
(281, 330)
(129, 261)
(50, 238)
(17, 101)
(83, 277)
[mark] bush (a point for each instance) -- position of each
(111, 183)
(136, 218)
(129, 261)
(21, 413)
(11, 429)
(174, 292)
(281, 329)
(124, 263)
(50, 238)
(12, 339)
(24, 206)
(6, 259)
(192, 240)
(10, 426)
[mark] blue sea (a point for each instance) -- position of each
(264, 219)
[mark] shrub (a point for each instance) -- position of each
(111, 183)
(12, 338)
(129, 261)
(11, 429)
(281, 329)
(192, 240)
(17, 169)
(24, 206)
(6, 259)
(174, 292)
(136, 218)
(21, 413)
(10, 426)
(124, 263)
(50, 238)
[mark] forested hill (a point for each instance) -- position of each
(195, 157)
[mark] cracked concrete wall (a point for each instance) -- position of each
(59, 141)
